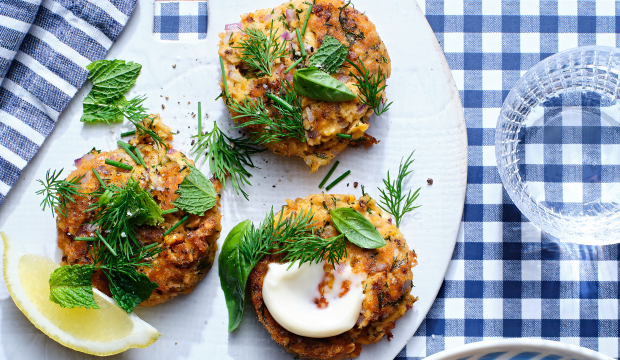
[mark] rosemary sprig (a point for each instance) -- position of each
(260, 51)
(227, 156)
(392, 197)
(369, 87)
(57, 192)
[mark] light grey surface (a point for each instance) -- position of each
(426, 117)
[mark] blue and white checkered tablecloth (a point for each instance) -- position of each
(180, 20)
(506, 278)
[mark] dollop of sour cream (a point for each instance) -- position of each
(302, 301)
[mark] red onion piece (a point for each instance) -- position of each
(234, 27)
(227, 37)
(171, 151)
(287, 35)
(360, 109)
(289, 77)
(77, 162)
(310, 115)
(267, 18)
(290, 16)
(343, 78)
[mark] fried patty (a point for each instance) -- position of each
(189, 250)
(387, 287)
(323, 121)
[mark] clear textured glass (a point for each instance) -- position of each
(557, 145)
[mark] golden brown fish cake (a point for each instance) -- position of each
(189, 250)
(323, 121)
(387, 287)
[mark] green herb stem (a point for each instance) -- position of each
(128, 149)
(225, 81)
(106, 243)
(294, 65)
(176, 225)
(345, 136)
(128, 133)
(335, 182)
(329, 174)
(139, 155)
(103, 185)
(118, 164)
(281, 102)
(200, 118)
(303, 30)
(301, 44)
(86, 239)
(169, 211)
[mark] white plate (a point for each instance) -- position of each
(426, 116)
(524, 349)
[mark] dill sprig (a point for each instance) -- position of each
(57, 192)
(392, 197)
(136, 114)
(369, 87)
(287, 123)
(293, 237)
(227, 156)
(260, 51)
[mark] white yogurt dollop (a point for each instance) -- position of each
(294, 300)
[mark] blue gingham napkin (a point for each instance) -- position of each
(45, 47)
(180, 20)
(506, 278)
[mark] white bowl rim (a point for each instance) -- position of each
(492, 345)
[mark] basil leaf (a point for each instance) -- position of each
(319, 85)
(330, 55)
(70, 287)
(234, 270)
(196, 193)
(356, 228)
(129, 288)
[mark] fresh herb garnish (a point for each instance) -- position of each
(57, 192)
(184, 219)
(356, 228)
(106, 101)
(70, 286)
(369, 87)
(339, 179)
(319, 85)
(287, 123)
(293, 237)
(303, 30)
(330, 56)
(260, 51)
(393, 196)
(196, 193)
(227, 156)
(329, 174)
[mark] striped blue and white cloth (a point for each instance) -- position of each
(507, 279)
(45, 47)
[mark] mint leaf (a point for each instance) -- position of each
(109, 111)
(330, 56)
(129, 288)
(70, 287)
(196, 193)
(146, 210)
(112, 78)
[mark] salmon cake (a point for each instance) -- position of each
(327, 127)
(188, 251)
(387, 288)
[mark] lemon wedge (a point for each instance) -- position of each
(105, 331)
